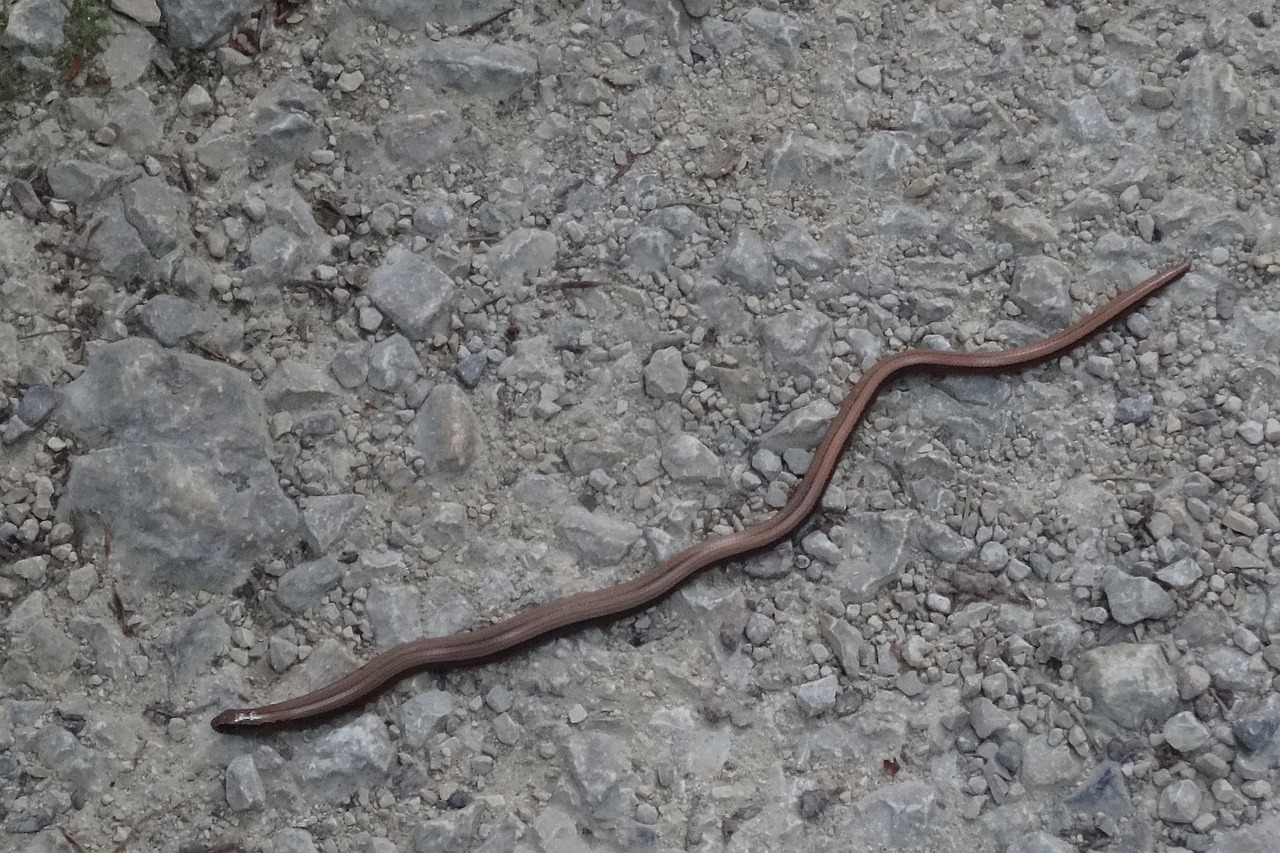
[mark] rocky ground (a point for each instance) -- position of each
(328, 325)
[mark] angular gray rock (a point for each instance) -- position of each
(413, 292)
(174, 465)
(393, 364)
(1040, 291)
(444, 432)
(338, 763)
(1132, 599)
(686, 459)
(194, 642)
(522, 254)
(817, 697)
(665, 376)
(157, 212)
(746, 262)
(423, 715)
(307, 584)
(244, 785)
(477, 67)
(600, 764)
(595, 537)
(395, 613)
(799, 342)
(802, 428)
(196, 24)
(1039, 842)
(898, 815)
(1180, 802)
(1131, 683)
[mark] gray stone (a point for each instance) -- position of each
(145, 12)
(596, 538)
(1185, 733)
(423, 715)
(157, 211)
(193, 643)
(781, 34)
(584, 457)
(986, 718)
(523, 254)
(293, 840)
(444, 610)
(1132, 599)
(170, 318)
(796, 250)
(306, 392)
(79, 181)
(444, 432)
(533, 360)
(393, 365)
(326, 517)
(1212, 99)
(600, 764)
(1040, 291)
(845, 641)
(1259, 838)
(815, 698)
(1103, 790)
(1039, 842)
(74, 764)
(861, 580)
(278, 255)
(434, 218)
(36, 403)
(759, 629)
(943, 542)
(471, 368)
(898, 815)
(1180, 802)
(243, 785)
(686, 459)
(802, 428)
(650, 249)
(148, 451)
(798, 341)
(449, 833)
(746, 262)
(35, 25)
(477, 67)
(413, 292)
(1131, 683)
(423, 139)
(1256, 729)
(1085, 121)
(1231, 669)
(993, 557)
(116, 244)
(499, 699)
(1180, 575)
(350, 365)
(507, 730)
(665, 376)
(196, 24)
(307, 584)
(1045, 766)
(337, 764)
(395, 613)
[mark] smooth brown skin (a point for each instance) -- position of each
(650, 585)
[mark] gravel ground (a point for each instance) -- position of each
(331, 325)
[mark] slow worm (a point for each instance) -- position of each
(652, 584)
